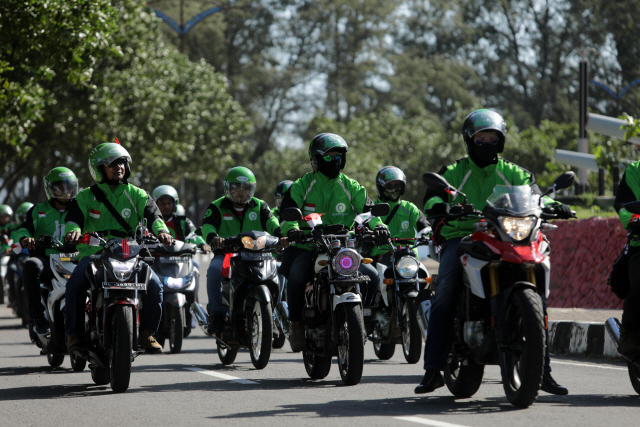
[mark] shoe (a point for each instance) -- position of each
(628, 344)
(432, 380)
(551, 386)
(149, 343)
(74, 343)
(297, 338)
(216, 324)
(41, 326)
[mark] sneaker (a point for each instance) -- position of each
(551, 386)
(41, 326)
(297, 338)
(216, 324)
(432, 380)
(149, 343)
(74, 343)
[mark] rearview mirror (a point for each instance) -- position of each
(291, 214)
(564, 181)
(633, 207)
(433, 180)
(380, 209)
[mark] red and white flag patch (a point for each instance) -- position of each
(42, 214)
(310, 207)
(94, 213)
(228, 217)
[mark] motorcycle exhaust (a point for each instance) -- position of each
(612, 325)
(281, 316)
(200, 317)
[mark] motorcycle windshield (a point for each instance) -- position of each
(516, 200)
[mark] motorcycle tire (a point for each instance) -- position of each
(382, 351)
(77, 363)
(121, 351)
(100, 376)
(351, 345)
(317, 367)
(463, 380)
(278, 341)
(55, 360)
(522, 371)
(634, 376)
(261, 333)
(411, 335)
(176, 329)
(227, 355)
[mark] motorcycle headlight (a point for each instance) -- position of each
(249, 243)
(407, 266)
(517, 228)
(63, 271)
(174, 282)
(346, 262)
(122, 269)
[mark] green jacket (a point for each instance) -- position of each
(477, 183)
(276, 212)
(406, 223)
(186, 227)
(86, 214)
(339, 199)
(222, 220)
(628, 191)
(43, 219)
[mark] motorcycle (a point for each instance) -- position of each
(332, 312)
(251, 294)
(395, 308)
(16, 292)
(53, 298)
(117, 275)
(178, 274)
(499, 316)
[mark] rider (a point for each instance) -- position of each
(629, 191)
(109, 167)
(484, 135)
(45, 219)
(238, 211)
(282, 188)
(325, 190)
(6, 227)
(405, 220)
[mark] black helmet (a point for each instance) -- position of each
(327, 142)
(386, 175)
(482, 120)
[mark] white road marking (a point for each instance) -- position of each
(588, 365)
(427, 422)
(221, 375)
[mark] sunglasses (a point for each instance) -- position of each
(330, 157)
(489, 139)
(393, 186)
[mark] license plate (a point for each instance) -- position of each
(256, 257)
(126, 286)
(173, 259)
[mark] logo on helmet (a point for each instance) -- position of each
(114, 150)
(253, 216)
(65, 174)
(340, 207)
(242, 179)
(405, 225)
(332, 138)
(126, 213)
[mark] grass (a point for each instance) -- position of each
(593, 211)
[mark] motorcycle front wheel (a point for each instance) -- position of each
(122, 350)
(351, 345)
(261, 333)
(462, 380)
(227, 355)
(100, 376)
(382, 351)
(523, 364)
(317, 367)
(634, 376)
(176, 329)
(55, 360)
(411, 335)
(77, 363)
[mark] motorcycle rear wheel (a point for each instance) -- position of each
(317, 367)
(100, 376)
(77, 363)
(463, 380)
(522, 373)
(55, 360)
(260, 328)
(278, 341)
(351, 346)
(121, 352)
(176, 330)
(411, 335)
(226, 355)
(634, 376)
(382, 351)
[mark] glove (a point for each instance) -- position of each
(563, 211)
(295, 235)
(381, 233)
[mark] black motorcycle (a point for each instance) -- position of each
(251, 296)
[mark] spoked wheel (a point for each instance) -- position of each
(523, 364)
(55, 360)
(227, 355)
(100, 376)
(317, 367)
(351, 346)
(382, 351)
(77, 363)
(176, 329)
(463, 380)
(261, 333)
(634, 376)
(411, 335)
(122, 350)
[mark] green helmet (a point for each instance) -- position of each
(242, 180)
(385, 177)
(6, 210)
(180, 210)
(281, 189)
(103, 155)
(166, 191)
(324, 142)
(22, 211)
(61, 183)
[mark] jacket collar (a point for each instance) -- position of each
(116, 191)
(323, 179)
(226, 204)
(485, 172)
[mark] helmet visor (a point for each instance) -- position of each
(241, 192)
(63, 190)
(392, 189)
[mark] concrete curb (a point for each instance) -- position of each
(581, 339)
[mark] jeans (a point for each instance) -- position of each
(214, 286)
(36, 270)
(302, 272)
(75, 296)
(440, 328)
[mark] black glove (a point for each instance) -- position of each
(381, 233)
(563, 211)
(295, 235)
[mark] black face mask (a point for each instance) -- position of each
(329, 169)
(484, 156)
(390, 195)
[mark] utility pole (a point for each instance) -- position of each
(583, 141)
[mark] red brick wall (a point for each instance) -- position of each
(582, 253)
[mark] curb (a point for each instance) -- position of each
(581, 339)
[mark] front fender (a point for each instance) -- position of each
(261, 293)
(348, 297)
(176, 299)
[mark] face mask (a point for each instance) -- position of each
(330, 169)
(485, 155)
